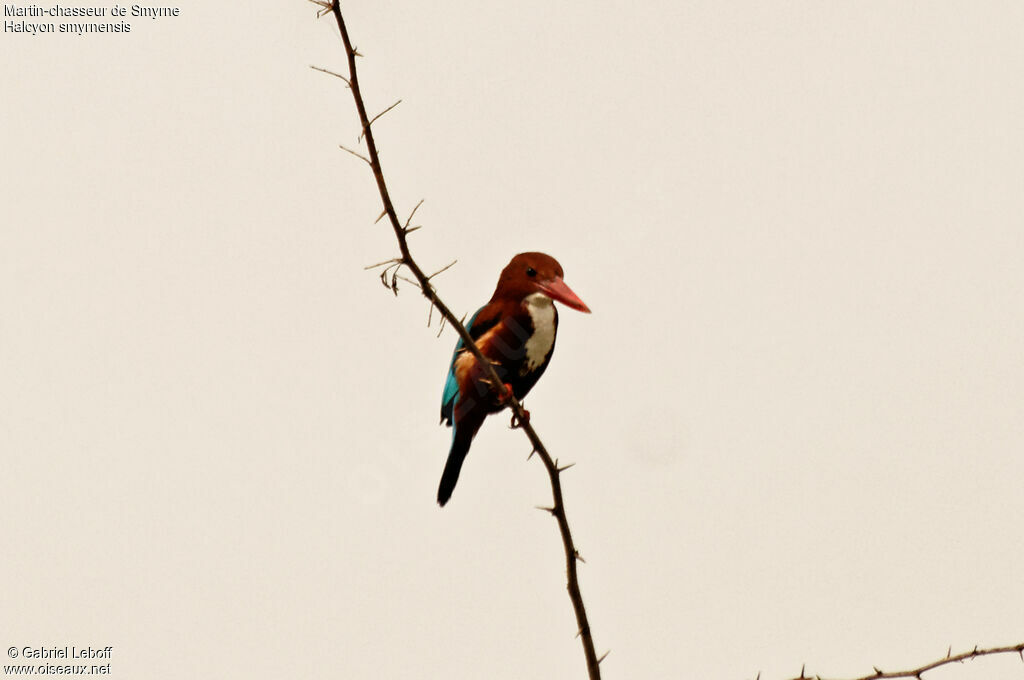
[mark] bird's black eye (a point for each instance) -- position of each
(531, 272)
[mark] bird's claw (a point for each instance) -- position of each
(517, 423)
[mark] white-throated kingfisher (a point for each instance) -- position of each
(515, 331)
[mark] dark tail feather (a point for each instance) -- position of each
(461, 439)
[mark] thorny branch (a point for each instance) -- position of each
(390, 279)
(918, 673)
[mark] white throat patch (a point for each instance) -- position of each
(542, 314)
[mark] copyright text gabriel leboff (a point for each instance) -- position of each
(66, 652)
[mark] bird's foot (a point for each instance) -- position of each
(517, 423)
(502, 399)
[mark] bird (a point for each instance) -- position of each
(515, 331)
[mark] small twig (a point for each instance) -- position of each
(950, 658)
(409, 219)
(356, 154)
(408, 280)
(374, 119)
(324, 5)
(329, 72)
(381, 264)
(443, 269)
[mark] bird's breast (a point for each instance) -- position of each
(542, 318)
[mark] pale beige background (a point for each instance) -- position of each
(796, 411)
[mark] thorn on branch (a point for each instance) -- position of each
(604, 655)
(566, 467)
(442, 269)
(356, 154)
(545, 508)
(381, 264)
(329, 72)
(325, 7)
(409, 219)
(408, 280)
(374, 119)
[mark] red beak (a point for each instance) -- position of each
(557, 290)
